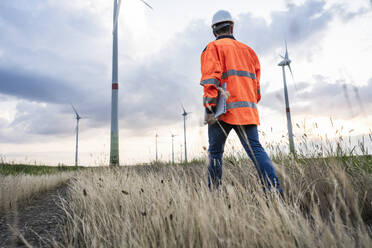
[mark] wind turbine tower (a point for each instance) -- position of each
(181, 153)
(156, 147)
(114, 144)
(173, 147)
(78, 117)
(184, 129)
(286, 62)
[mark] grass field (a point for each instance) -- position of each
(19, 184)
(327, 201)
(327, 204)
(7, 169)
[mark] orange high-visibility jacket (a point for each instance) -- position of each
(226, 60)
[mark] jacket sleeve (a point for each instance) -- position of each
(258, 75)
(211, 75)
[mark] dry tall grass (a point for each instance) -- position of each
(164, 206)
(15, 190)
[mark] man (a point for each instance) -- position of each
(226, 60)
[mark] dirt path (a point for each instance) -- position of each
(38, 222)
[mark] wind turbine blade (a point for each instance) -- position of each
(74, 110)
(294, 82)
(117, 14)
(148, 5)
(281, 56)
(183, 108)
(356, 91)
(118, 10)
(286, 50)
(290, 69)
(344, 86)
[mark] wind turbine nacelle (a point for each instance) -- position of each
(285, 62)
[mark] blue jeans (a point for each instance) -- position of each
(262, 162)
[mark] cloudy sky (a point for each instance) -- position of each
(53, 53)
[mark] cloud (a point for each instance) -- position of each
(35, 118)
(153, 92)
(346, 14)
(325, 98)
(53, 55)
(296, 24)
(36, 121)
(36, 87)
(3, 123)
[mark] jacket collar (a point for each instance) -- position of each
(225, 36)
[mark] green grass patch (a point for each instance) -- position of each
(21, 169)
(352, 164)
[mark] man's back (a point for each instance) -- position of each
(234, 63)
(235, 54)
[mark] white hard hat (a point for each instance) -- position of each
(221, 16)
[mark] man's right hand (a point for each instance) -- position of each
(209, 119)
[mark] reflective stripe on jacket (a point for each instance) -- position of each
(230, 61)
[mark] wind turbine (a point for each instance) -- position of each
(286, 62)
(173, 135)
(181, 153)
(78, 117)
(344, 86)
(114, 144)
(361, 105)
(156, 147)
(184, 129)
